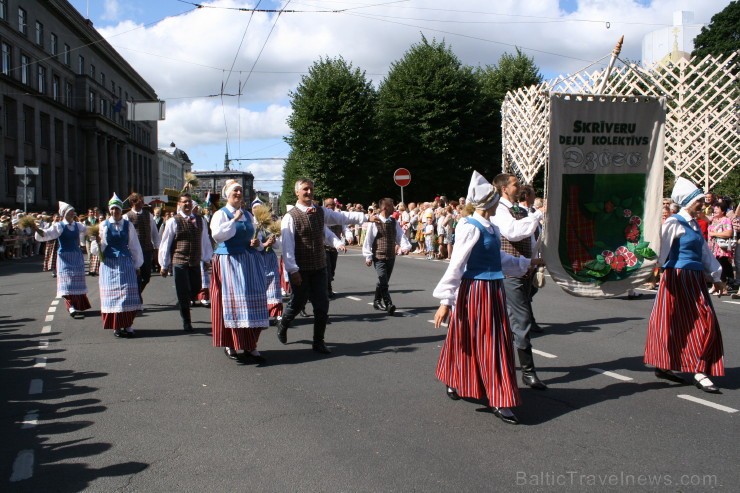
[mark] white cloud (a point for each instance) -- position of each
(111, 10)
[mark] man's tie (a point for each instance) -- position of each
(310, 210)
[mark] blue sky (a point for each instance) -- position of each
(186, 54)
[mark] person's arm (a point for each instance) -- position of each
(137, 256)
(724, 231)
(287, 233)
(401, 239)
(343, 218)
(446, 290)
(515, 229)
(222, 228)
(165, 245)
(51, 233)
(332, 240)
(206, 248)
(154, 230)
(671, 231)
(367, 246)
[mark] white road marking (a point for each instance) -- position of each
(707, 403)
(49, 318)
(23, 466)
(40, 362)
(30, 420)
(443, 324)
(353, 298)
(611, 374)
(543, 354)
(52, 309)
(54, 302)
(46, 329)
(733, 302)
(43, 344)
(36, 386)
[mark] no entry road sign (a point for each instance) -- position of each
(402, 177)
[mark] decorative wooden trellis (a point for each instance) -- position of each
(702, 141)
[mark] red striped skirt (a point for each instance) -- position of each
(77, 301)
(477, 358)
(284, 281)
(119, 320)
(222, 336)
(683, 332)
(203, 294)
(275, 310)
(50, 255)
(94, 264)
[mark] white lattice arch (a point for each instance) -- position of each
(702, 122)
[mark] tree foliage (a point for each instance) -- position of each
(722, 36)
(430, 122)
(333, 132)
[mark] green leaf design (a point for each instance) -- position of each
(594, 207)
(648, 253)
(642, 244)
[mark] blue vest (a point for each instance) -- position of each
(686, 250)
(239, 242)
(117, 241)
(485, 258)
(69, 241)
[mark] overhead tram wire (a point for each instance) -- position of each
(286, 11)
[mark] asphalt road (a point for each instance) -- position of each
(82, 410)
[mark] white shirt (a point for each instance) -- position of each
(133, 240)
(515, 229)
(331, 218)
(672, 230)
(153, 227)
(223, 228)
(168, 239)
(55, 231)
(466, 236)
(372, 232)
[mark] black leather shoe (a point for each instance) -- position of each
(669, 375)
(378, 305)
(78, 315)
(118, 333)
(282, 331)
(511, 420)
(187, 328)
(706, 387)
(230, 353)
(390, 308)
(320, 347)
(452, 394)
(332, 294)
(531, 380)
(303, 313)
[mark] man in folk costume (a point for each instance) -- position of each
(477, 359)
(185, 244)
(203, 297)
(303, 235)
(517, 228)
(332, 255)
(683, 331)
(71, 284)
(379, 250)
(146, 229)
(118, 246)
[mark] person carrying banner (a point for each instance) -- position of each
(477, 358)
(517, 228)
(683, 331)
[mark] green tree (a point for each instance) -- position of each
(722, 36)
(333, 132)
(430, 123)
(510, 73)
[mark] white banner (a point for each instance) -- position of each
(605, 185)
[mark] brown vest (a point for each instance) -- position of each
(187, 241)
(521, 248)
(384, 246)
(309, 239)
(143, 224)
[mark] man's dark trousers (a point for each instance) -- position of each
(187, 285)
(313, 288)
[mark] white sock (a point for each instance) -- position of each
(72, 310)
(703, 379)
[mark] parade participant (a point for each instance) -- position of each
(683, 331)
(272, 267)
(118, 246)
(70, 261)
(159, 224)
(94, 268)
(517, 228)
(303, 234)
(477, 359)
(379, 250)
(185, 245)
(203, 297)
(50, 251)
(93, 261)
(146, 229)
(331, 253)
(238, 283)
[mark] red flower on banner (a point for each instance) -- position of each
(627, 213)
(632, 233)
(636, 220)
(609, 207)
(629, 257)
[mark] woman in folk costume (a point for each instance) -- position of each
(70, 261)
(238, 282)
(272, 267)
(477, 359)
(683, 332)
(118, 246)
(50, 251)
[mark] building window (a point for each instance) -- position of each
(92, 71)
(113, 87)
(55, 82)
(4, 10)
(7, 60)
(102, 79)
(25, 69)
(103, 107)
(81, 65)
(54, 44)
(22, 21)
(10, 120)
(91, 102)
(42, 79)
(67, 55)
(68, 93)
(39, 34)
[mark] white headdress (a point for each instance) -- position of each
(686, 193)
(481, 194)
(64, 208)
(229, 187)
(115, 201)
